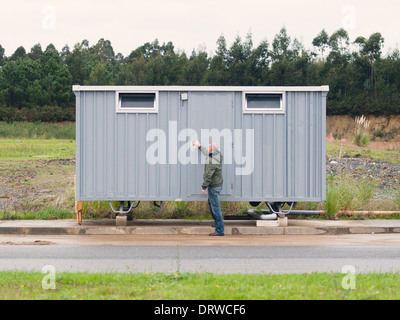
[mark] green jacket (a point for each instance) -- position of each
(212, 177)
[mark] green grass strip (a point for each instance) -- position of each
(195, 286)
(25, 149)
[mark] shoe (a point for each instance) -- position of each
(216, 234)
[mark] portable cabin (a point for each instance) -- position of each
(134, 143)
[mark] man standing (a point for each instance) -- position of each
(212, 182)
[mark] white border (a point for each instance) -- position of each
(280, 110)
(118, 108)
(77, 88)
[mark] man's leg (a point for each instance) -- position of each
(215, 217)
(215, 208)
(209, 205)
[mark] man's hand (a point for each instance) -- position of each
(203, 191)
(196, 143)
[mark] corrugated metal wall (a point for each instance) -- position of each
(289, 149)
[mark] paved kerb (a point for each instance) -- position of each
(190, 227)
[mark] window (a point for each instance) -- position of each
(271, 102)
(137, 102)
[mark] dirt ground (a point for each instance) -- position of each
(374, 145)
(345, 240)
(384, 131)
(31, 185)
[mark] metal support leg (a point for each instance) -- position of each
(78, 211)
(275, 211)
(78, 206)
(124, 211)
(276, 207)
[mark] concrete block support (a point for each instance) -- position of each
(121, 221)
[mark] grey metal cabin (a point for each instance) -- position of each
(133, 143)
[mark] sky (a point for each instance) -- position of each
(189, 24)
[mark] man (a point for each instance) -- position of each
(212, 182)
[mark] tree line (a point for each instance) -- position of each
(37, 85)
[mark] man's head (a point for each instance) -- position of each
(212, 147)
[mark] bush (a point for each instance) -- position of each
(36, 114)
(7, 114)
(40, 130)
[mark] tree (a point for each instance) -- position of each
(217, 74)
(372, 49)
(19, 53)
(280, 45)
(38, 85)
(257, 65)
(281, 56)
(339, 42)
(99, 75)
(196, 68)
(148, 50)
(321, 41)
(18, 75)
(2, 57)
(35, 52)
(52, 84)
(337, 64)
(80, 63)
(65, 52)
(237, 58)
(133, 71)
(103, 51)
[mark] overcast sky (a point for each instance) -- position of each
(189, 24)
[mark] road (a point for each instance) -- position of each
(230, 254)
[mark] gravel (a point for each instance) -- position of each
(385, 174)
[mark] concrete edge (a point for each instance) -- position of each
(195, 230)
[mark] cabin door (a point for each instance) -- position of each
(211, 116)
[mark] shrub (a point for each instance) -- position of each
(42, 114)
(361, 137)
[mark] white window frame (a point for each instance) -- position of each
(280, 110)
(119, 109)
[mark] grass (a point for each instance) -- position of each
(37, 130)
(397, 199)
(199, 286)
(389, 155)
(28, 149)
(361, 137)
(169, 210)
(346, 193)
(48, 213)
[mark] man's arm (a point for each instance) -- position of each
(205, 152)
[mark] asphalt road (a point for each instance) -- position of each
(252, 254)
